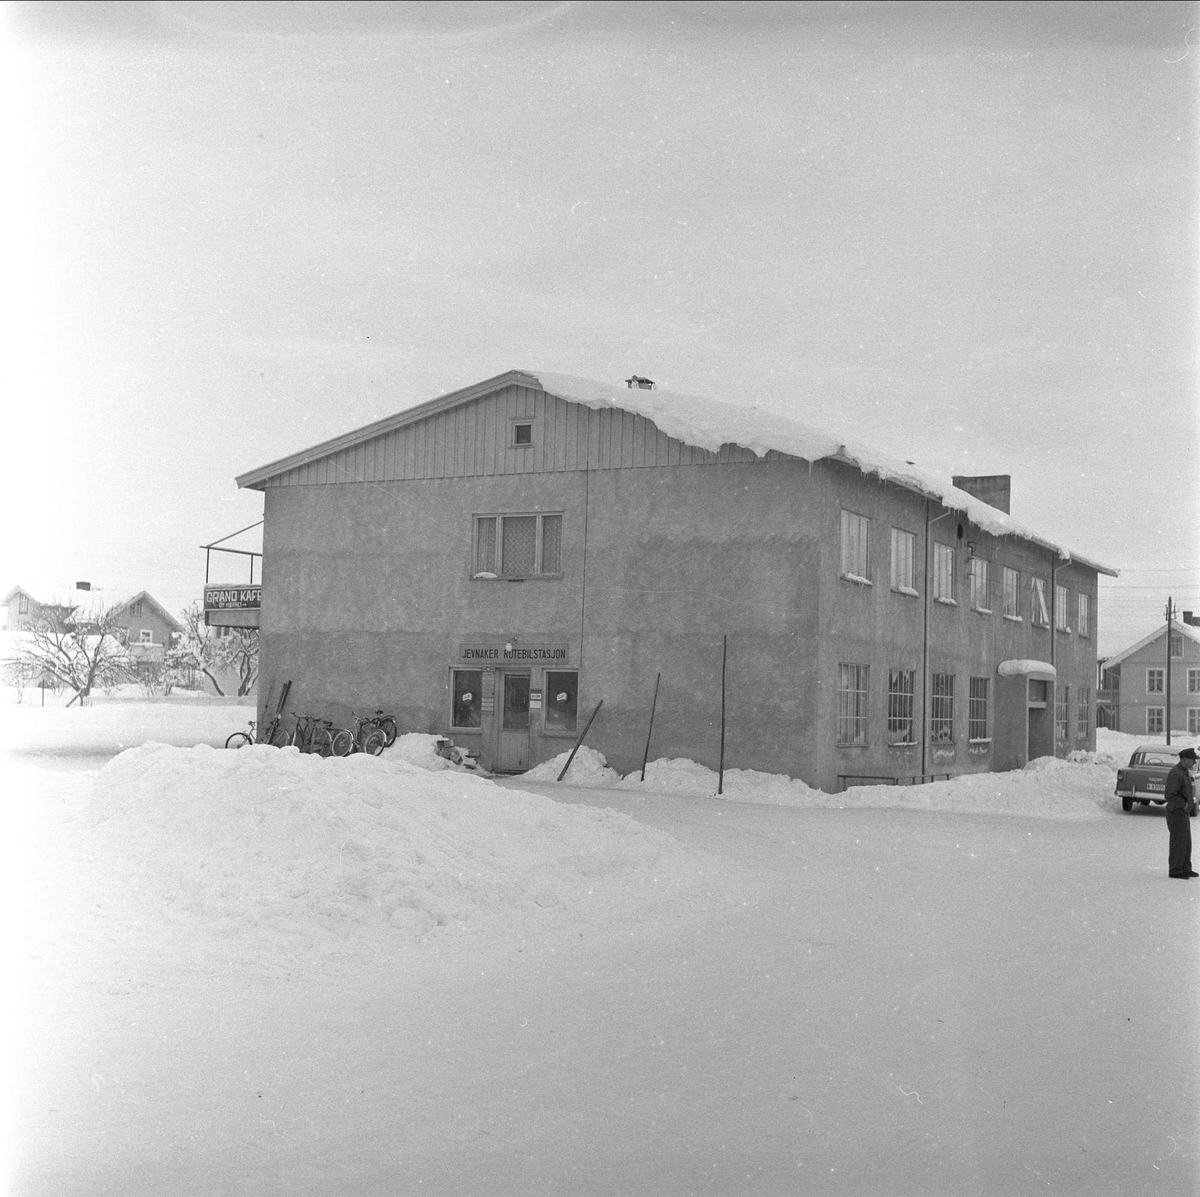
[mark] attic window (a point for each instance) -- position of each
(522, 434)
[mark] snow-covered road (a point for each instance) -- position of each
(873, 1001)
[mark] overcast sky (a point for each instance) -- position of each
(967, 232)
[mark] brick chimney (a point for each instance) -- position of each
(642, 384)
(993, 489)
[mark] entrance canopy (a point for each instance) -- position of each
(1038, 670)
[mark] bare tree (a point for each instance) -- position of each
(216, 656)
(79, 650)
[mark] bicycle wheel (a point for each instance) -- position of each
(322, 742)
(375, 743)
(280, 739)
(387, 725)
(238, 740)
(342, 743)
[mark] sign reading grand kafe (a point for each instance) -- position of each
(511, 653)
(232, 598)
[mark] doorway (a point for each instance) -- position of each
(512, 751)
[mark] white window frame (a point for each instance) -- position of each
(1156, 720)
(904, 561)
(979, 711)
(1193, 681)
(1062, 597)
(1176, 643)
(496, 572)
(856, 547)
(1011, 582)
(1062, 713)
(1193, 721)
(941, 708)
(854, 692)
(145, 636)
(1083, 714)
(1039, 613)
(1084, 613)
(901, 708)
(981, 582)
(943, 573)
(1156, 680)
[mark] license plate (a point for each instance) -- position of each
(1157, 787)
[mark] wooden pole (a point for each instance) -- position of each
(580, 740)
(721, 771)
(1170, 624)
(650, 729)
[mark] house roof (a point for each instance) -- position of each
(705, 423)
(166, 616)
(12, 594)
(1187, 630)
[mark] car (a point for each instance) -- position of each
(1144, 779)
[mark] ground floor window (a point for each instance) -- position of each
(977, 709)
(1194, 721)
(941, 708)
(468, 705)
(1062, 704)
(1155, 722)
(852, 704)
(901, 699)
(562, 701)
(1083, 724)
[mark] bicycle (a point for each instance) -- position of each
(366, 737)
(273, 734)
(241, 739)
(313, 735)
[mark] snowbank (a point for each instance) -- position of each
(292, 859)
(589, 768)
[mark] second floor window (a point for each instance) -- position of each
(1155, 681)
(1176, 646)
(1012, 592)
(1039, 613)
(518, 546)
(1060, 609)
(1084, 615)
(856, 535)
(979, 584)
(943, 573)
(904, 553)
(1194, 681)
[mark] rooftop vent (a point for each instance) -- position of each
(640, 383)
(993, 489)
(1189, 618)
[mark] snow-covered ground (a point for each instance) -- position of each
(265, 973)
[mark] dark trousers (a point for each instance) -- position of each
(1179, 854)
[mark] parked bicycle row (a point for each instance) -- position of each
(370, 733)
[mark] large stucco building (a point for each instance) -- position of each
(494, 563)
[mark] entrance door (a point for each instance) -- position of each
(513, 749)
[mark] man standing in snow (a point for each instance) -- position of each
(1181, 804)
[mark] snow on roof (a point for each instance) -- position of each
(1040, 669)
(1184, 629)
(711, 423)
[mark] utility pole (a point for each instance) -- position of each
(1170, 624)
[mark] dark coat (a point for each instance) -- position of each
(1180, 792)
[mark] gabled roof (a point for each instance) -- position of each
(12, 594)
(704, 423)
(1187, 630)
(167, 617)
